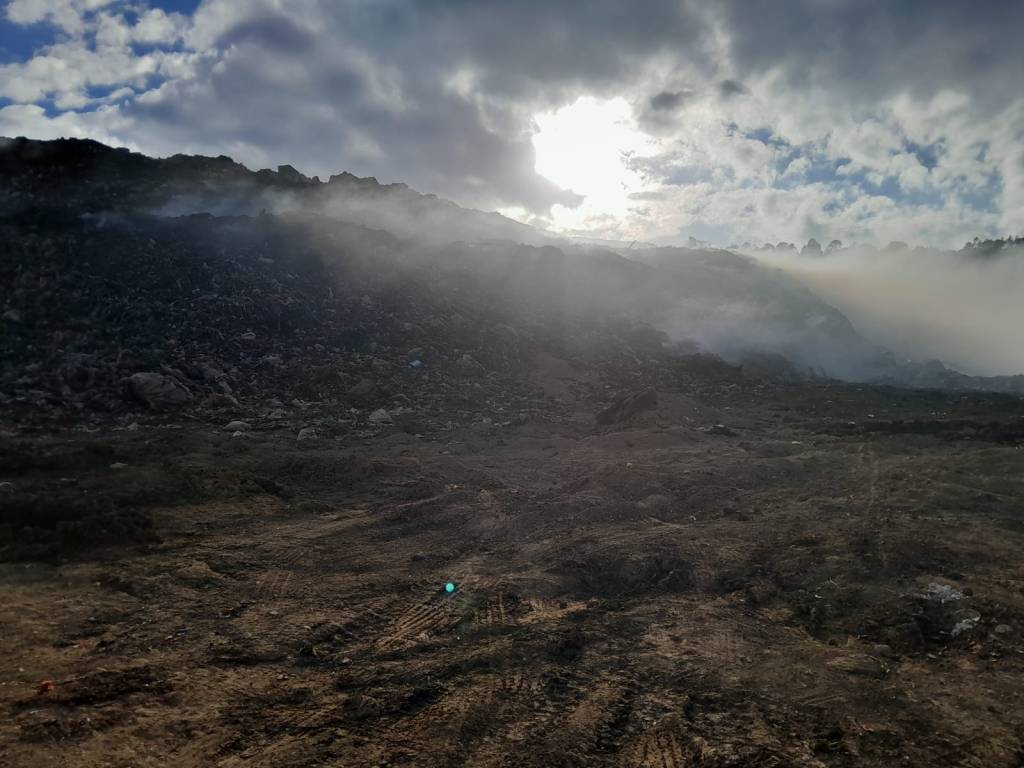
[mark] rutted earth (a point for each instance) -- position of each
(808, 574)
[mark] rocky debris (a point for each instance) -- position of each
(237, 426)
(363, 388)
(941, 593)
(885, 651)
(158, 392)
(189, 299)
(721, 430)
(938, 616)
(469, 365)
(379, 417)
(213, 375)
(84, 176)
(628, 405)
(307, 433)
(219, 400)
(861, 665)
(966, 621)
(343, 319)
(11, 316)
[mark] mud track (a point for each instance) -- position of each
(648, 594)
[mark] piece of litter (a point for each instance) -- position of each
(942, 593)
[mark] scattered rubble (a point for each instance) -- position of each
(379, 417)
(942, 593)
(628, 405)
(157, 391)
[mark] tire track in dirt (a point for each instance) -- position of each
(434, 613)
(521, 708)
(660, 748)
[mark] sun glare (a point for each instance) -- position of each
(586, 147)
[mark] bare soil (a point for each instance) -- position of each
(834, 576)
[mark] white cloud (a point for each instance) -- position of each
(105, 124)
(444, 96)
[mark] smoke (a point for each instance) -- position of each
(925, 304)
(395, 208)
(835, 313)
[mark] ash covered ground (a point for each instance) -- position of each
(244, 449)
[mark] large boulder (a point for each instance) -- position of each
(157, 391)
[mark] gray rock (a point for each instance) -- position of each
(942, 593)
(627, 406)
(380, 416)
(237, 426)
(885, 651)
(157, 391)
(211, 374)
(860, 665)
(221, 400)
(11, 316)
(363, 388)
(720, 429)
(307, 433)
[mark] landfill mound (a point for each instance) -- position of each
(283, 489)
(722, 302)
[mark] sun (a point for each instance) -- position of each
(586, 147)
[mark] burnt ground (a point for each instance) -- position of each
(801, 573)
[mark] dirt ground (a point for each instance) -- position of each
(814, 574)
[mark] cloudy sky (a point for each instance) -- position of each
(726, 120)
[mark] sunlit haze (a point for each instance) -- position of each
(586, 147)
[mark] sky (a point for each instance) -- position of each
(725, 120)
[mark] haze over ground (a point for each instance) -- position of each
(867, 122)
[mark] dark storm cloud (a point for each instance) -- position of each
(520, 46)
(275, 31)
(729, 88)
(873, 48)
(442, 93)
(325, 107)
(668, 101)
(375, 87)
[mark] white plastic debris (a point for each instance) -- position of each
(942, 593)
